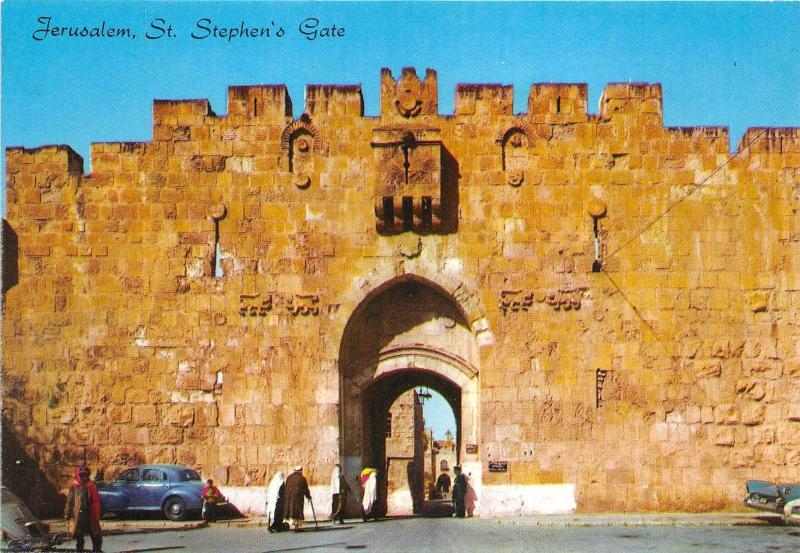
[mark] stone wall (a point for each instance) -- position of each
(404, 456)
(660, 382)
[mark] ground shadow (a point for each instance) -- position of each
(437, 508)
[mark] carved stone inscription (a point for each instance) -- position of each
(258, 305)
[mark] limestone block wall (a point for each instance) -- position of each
(661, 382)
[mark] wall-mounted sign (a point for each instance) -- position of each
(472, 448)
(498, 466)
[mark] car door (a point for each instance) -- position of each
(126, 485)
(151, 489)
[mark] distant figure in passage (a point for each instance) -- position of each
(443, 483)
(470, 497)
(369, 480)
(459, 492)
(83, 510)
(340, 489)
(276, 492)
(211, 496)
(296, 492)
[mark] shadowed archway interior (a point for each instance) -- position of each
(409, 333)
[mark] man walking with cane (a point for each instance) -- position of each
(296, 488)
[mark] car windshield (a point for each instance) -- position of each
(189, 474)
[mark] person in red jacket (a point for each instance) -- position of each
(211, 497)
(83, 510)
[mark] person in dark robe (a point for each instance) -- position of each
(296, 491)
(83, 510)
(459, 492)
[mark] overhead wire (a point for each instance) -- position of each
(687, 194)
(694, 187)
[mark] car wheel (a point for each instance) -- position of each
(175, 509)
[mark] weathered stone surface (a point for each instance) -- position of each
(362, 256)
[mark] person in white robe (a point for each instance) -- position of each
(369, 479)
(274, 505)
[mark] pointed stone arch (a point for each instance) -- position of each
(464, 292)
(404, 332)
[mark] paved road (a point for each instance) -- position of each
(463, 536)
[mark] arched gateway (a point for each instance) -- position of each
(408, 333)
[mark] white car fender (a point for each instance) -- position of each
(791, 512)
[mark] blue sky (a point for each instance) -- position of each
(438, 415)
(724, 64)
(729, 64)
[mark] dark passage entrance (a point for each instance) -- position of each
(402, 454)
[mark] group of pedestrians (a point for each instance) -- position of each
(285, 503)
(464, 495)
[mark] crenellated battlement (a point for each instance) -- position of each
(774, 140)
(558, 103)
(334, 100)
(484, 100)
(632, 99)
(49, 159)
(630, 114)
(409, 96)
(259, 103)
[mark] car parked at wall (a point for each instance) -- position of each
(174, 490)
(21, 530)
(783, 499)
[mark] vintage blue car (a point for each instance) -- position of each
(172, 489)
(783, 499)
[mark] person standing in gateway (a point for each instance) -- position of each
(459, 492)
(297, 491)
(369, 480)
